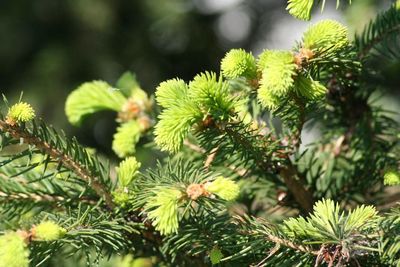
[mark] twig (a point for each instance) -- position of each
(66, 160)
(290, 244)
(210, 158)
(37, 198)
(241, 171)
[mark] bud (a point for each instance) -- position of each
(20, 112)
(122, 198)
(278, 69)
(391, 177)
(224, 188)
(125, 139)
(268, 99)
(327, 34)
(238, 63)
(300, 9)
(216, 255)
(309, 88)
(169, 93)
(13, 251)
(164, 210)
(47, 231)
(127, 171)
(194, 191)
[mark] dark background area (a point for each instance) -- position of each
(49, 47)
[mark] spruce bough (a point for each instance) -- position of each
(232, 188)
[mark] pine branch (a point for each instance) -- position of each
(378, 30)
(264, 162)
(39, 198)
(19, 133)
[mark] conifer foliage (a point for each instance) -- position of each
(234, 186)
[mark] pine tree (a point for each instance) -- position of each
(232, 186)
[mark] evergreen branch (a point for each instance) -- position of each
(39, 198)
(241, 172)
(19, 133)
(88, 230)
(377, 31)
(264, 161)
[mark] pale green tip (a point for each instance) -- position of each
(268, 99)
(216, 255)
(224, 188)
(13, 251)
(300, 9)
(278, 69)
(163, 210)
(239, 63)
(326, 35)
(122, 198)
(391, 177)
(310, 89)
(48, 231)
(20, 112)
(171, 92)
(127, 171)
(126, 138)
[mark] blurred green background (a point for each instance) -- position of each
(49, 47)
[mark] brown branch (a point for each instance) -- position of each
(297, 187)
(210, 158)
(290, 244)
(66, 160)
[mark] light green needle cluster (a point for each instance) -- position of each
(127, 171)
(185, 105)
(300, 9)
(391, 177)
(131, 102)
(122, 198)
(174, 125)
(20, 112)
(211, 94)
(287, 75)
(239, 63)
(224, 188)
(162, 210)
(326, 35)
(171, 92)
(13, 251)
(216, 255)
(92, 97)
(125, 139)
(48, 231)
(278, 71)
(310, 89)
(268, 99)
(328, 223)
